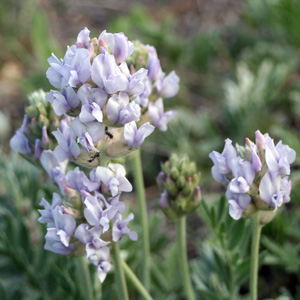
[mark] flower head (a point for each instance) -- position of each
(257, 176)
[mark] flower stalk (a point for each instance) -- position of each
(86, 284)
(135, 281)
(256, 231)
(119, 273)
(182, 258)
(141, 197)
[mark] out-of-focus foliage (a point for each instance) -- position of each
(235, 78)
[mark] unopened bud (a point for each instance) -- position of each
(70, 211)
(260, 140)
(73, 197)
(174, 173)
(45, 137)
(160, 178)
(37, 148)
(43, 120)
(248, 142)
(180, 182)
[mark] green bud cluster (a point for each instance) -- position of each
(139, 57)
(40, 113)
(179, 182)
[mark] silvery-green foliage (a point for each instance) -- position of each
(225, 263)
(254, 89)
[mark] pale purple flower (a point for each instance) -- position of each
(143, 98)
(238, 203)
(64, 224)
(153, 66)
(97, 211)
(83, 38)
(120, 110)
(136, 81)
(58, 73)
(114, 178)
(222, 162)
(93, 183)
(280, 157)
(75, 179)
(88, 133)
(274, 189)
(160, 118)
(63, 101)
(52, 166)
(100, 259)
(90, 237)
(107, 75)
(19, 143)
(90, 112)
(243, 173)
(118, 44)
(114, 202)
(67, 146)
(80, 67)
(134, 136)
(47, 212)
(167, 86)
(260, 174)
(54, 244)
(88, 95)
(120, 228)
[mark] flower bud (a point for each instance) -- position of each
(260, 140)
(179, 182)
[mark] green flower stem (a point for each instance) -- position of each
(135, 281)
(119, 273)
(85, 278)
(141, 196)
(256, 230)
(182, 258)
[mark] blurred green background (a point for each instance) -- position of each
(239, 64)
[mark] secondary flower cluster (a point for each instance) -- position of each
(35, 134)
(89, 215)
(111, 89)
(179, 182)
(257, 175)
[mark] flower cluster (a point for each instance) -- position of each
(257, 175)
(35, 134)
(88, 217)
(179, 182)
(109, 99)
(112, 90)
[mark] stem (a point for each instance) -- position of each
(119, 274)
(135, 281)
(182, 257)
(84, 275)
(141, 196)
(256, 230)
